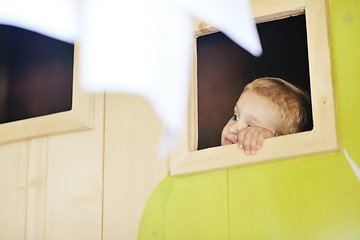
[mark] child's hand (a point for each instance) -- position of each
(251, 138)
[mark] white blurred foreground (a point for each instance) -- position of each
(139, 47)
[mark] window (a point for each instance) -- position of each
(38, 93)
(37, 74)
(224, 68)
(322, 138)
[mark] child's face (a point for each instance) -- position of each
(250, 110)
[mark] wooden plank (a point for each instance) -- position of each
(36, 186)
(13, 171)
(267, 10)
(133, 165)
(262, 10)
(230, 156)
(320, 71)
(75, 182)
(188, 141)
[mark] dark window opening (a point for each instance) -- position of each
(224, 68)
(36, 74)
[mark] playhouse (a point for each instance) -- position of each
(93, 170)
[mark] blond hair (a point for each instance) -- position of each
(292, 104)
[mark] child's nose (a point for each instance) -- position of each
(236, 127)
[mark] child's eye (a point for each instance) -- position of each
(235, 117)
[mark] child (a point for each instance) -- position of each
(266, 108)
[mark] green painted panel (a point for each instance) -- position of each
(328, 198)
(196, 207)
(152, 222)
(345, 48)
(193, 207)
(263, 201)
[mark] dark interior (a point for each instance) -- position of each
(224, 69)
(36, 74)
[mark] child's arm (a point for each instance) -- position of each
(252, 138)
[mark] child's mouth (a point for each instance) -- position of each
(228, 141)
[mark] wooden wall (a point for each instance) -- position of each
(51, 187)
(86, 185)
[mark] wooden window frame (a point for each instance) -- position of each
(80, 117)
(186, 159)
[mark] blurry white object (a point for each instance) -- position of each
(353, 165)
(53, 18)
(141, 47)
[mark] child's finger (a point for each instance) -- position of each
(247, 140)
(262, 136)
(253, 142)
(260, 140)
(240, 138)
